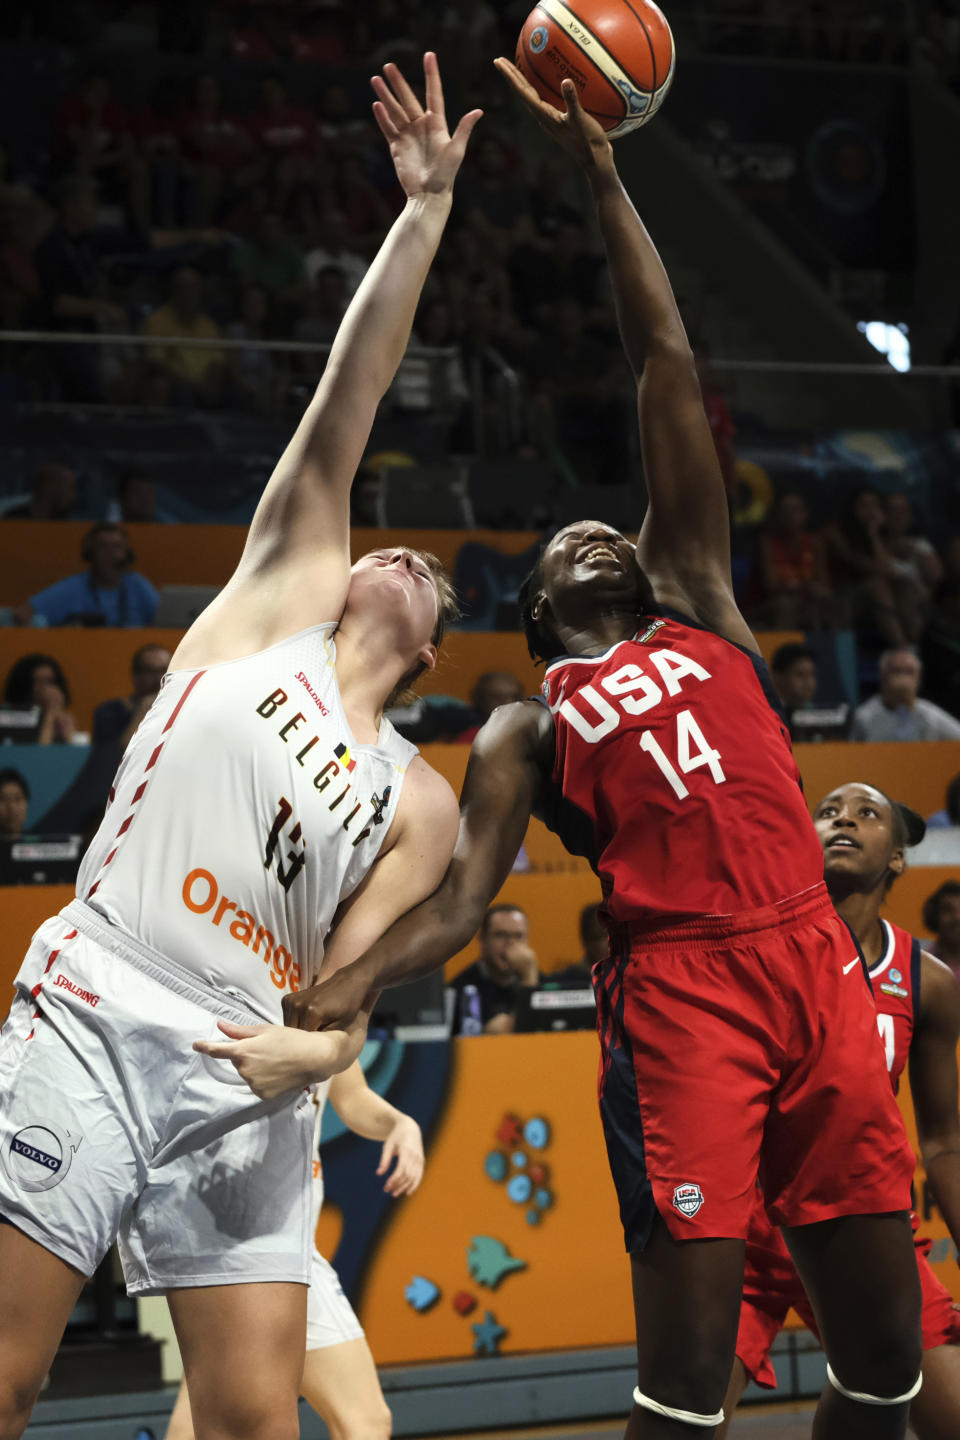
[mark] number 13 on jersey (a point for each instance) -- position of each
(692, 751)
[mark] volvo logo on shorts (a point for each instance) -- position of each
(538, 38)
(39, 1156)
(688, 1199)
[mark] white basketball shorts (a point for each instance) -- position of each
(330, 1316)
(112, 1126)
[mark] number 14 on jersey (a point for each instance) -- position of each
(692, 751)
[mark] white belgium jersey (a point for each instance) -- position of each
(319, 1095)
(242, 814)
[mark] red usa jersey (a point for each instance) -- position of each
(673, 774)
(896, 988)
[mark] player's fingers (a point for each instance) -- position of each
(465, 129)
(388, 130)
(239, 1032)
(434, 88)
(394, 110)
(572, 97)
(219, 1049)
(525, 90)
(386, 1156)
(402, 90)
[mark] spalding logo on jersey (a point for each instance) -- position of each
(688, 1199)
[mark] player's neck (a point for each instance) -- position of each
(368, 668)
(862, 913)
(601, 633)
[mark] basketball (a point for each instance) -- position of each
(618, 53)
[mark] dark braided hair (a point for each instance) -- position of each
(908, 828)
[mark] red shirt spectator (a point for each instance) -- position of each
(208, 133)
(279, 126)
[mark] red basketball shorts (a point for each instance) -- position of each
(771, 1287)
(739, 1047)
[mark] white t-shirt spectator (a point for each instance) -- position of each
(920, 721)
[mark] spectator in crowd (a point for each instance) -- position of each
(915, 561)
(941, 919)
(14, 800)
(273, 260)
(332, 245)
(53, 494)
(492, 689)
(794, 670)
(793, 568)
(897, 712)
(94, 137)
(287, 136)
(864, 573)
(489, 991)
(39, 680)
(108, 592)
(251, 371)
(578, 408)
(594, 946)
(950, 814)
(116, 720)
(190, 374)
(325, 305)
(158, 135)
(136, 498)
(74, 288)
(219, 156)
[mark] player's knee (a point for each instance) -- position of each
(371, 1421)
(695, 1382)
(16, 1407)
(260, 1417)
(888, 1362)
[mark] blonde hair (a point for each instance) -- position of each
(448, 610)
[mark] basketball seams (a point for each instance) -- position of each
(646, 35)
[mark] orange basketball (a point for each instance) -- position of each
(618, 53)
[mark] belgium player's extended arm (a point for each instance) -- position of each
(933, 1086)
(498, 797)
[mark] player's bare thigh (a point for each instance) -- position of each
(37, 1293)
(738, 1383)
(340, 1382)
(242, 1349)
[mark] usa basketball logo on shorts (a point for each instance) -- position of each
(688, 1199)
(538, 39)
(39, 1156)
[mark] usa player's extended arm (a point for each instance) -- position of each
(295, 566)
(499, 793)
(933, 1085)
(684, 545)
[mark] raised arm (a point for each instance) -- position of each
(499, 793)
(933, 1085)
(295, 566)
(684, 545)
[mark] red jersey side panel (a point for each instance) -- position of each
(674, 776)
(896, 989)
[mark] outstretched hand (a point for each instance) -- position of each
(425, 155)
(578, 132)
(274, 1060)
